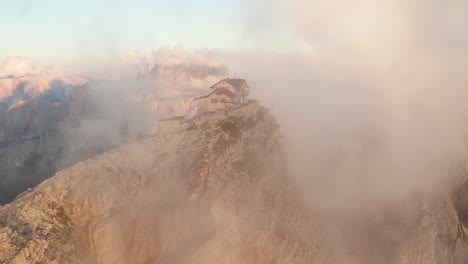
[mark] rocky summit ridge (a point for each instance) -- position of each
(169, 199)
(212, 190)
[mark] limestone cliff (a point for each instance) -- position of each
(196, 195)
(215, 190)
(41, 137)
(33, 140)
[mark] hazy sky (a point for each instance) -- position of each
(57, 31)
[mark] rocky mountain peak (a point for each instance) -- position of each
(167, 199)
(214, 189)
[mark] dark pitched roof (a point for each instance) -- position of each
(236, 83)
(223, 90)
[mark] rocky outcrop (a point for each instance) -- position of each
(441, 236)
(196, 195)
(215, 190)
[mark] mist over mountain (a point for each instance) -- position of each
(183, 72)
(176, 65)
(22, 81)
(216, 190)
(50, 120)
(357, 156)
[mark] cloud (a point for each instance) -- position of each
(17, 67)
(389, 70)
(22, 80)
(138, 59)
(375, 116)
(179, 55)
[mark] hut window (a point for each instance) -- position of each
(219, 92)
(223, 101)
(214, 101)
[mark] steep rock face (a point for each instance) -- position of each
(41, 137)
(441, 236)
(214, 190)
(33, 139)
(196, 195)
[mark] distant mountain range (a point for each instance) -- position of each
(45, 86)
(50, 120)
(183, 72)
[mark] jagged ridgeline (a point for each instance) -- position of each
(214, 189)
(210, 191)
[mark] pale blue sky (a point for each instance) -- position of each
(64, 31)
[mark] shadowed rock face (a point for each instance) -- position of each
(213, 191)
(43, 136)
(33, 141)
(60, 127)
(460, 201)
